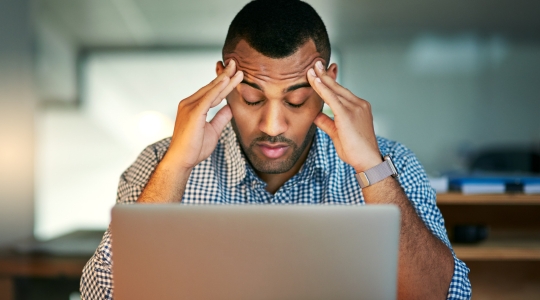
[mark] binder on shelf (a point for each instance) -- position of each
(531, 185)
(477, 184)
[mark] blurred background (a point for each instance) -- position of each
(85, 85)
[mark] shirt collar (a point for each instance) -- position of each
(228, 160)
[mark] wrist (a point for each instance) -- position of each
(174, 166)
(368, 163)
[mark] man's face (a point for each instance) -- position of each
(274, 107)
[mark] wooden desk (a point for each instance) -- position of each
(58, 275)
(14, 267)
(507, 264)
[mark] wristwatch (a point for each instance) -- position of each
(377, 173)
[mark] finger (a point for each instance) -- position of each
(235, 80)
(222, 117)
(207, 99)
(328, 96)
(228, 72)
(331, 83)
(326, 124)
(230, 68)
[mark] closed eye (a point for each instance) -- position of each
(260, 101)
(295, 105)
(252, 103)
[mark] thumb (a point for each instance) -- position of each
(325, 124)
(222, 117)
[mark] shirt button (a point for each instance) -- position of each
(254, 183)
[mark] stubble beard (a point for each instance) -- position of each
(267, 165)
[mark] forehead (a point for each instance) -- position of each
(258, 67)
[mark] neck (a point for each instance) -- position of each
(275, 181)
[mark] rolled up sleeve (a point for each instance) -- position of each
(414, 181)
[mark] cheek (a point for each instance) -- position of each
(243, 117)
(315, 106)
(234, 100)
(302, 121)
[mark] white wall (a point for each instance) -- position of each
(16, 122)
(444, 95)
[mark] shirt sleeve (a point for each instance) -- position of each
(414, 181)
(97, 279)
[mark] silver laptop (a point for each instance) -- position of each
(218, 252)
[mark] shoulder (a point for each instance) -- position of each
(399, 153)
(146, 162)
(404, 158)
(157, 149)
(395, 149)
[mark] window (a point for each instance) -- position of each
(129, 101)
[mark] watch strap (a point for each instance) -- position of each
(376, 173)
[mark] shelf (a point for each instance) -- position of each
(40, 266)
(502, 246)
(492, 199)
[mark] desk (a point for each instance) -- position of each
(18, 271)
(24, 275)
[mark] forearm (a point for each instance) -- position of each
(425, 264)
(166, 185)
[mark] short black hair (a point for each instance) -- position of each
(277, 28)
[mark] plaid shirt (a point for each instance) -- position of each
(227, 178)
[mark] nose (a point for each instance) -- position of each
(273, 121)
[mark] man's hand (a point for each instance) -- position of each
(352, 128)
(193, 139)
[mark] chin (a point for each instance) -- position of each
(272, 166)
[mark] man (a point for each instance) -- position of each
(272, 144)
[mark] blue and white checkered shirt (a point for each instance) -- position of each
(227, 178)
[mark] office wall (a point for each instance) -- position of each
(445, 96)
(16, 121)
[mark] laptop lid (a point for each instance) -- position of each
(171, 251)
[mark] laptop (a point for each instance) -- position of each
(255, 252)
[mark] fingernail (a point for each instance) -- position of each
(312, 72)
(319, 65)
(231, 62)
(318, 79)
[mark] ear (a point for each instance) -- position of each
(220, 67)
(332, 71)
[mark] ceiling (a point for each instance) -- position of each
(94, 23)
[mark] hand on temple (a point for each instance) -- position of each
(352, 128)
(194, 138)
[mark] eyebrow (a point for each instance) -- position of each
(297, 86)
(251, 84)
(289, 89)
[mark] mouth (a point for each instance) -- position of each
(273, 151)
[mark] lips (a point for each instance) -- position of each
(273, 151)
